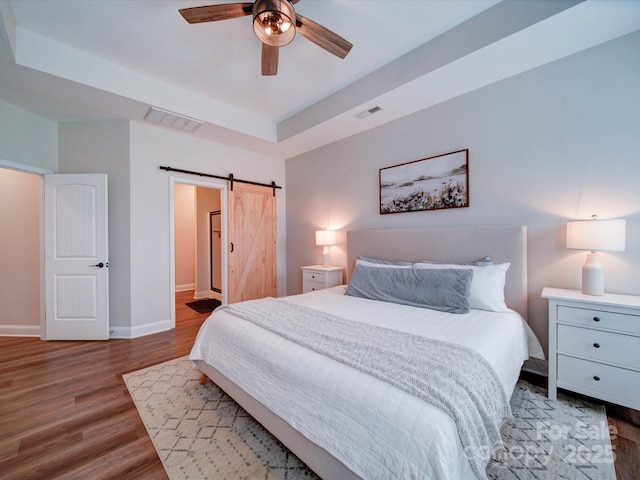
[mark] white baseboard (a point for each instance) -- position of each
(184, 288)
(19, 330)
(207, 294)
(140, 330)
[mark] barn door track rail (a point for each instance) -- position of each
(230, 178)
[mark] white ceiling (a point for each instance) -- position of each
(103, 59)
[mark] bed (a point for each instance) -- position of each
(348, 423)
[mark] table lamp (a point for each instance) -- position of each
(325, 238)
(595, 235)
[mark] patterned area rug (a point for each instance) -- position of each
(200, 433)
(548, 440)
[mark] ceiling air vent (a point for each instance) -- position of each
(371, 111)
(173, 120)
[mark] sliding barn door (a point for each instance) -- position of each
(252, 247)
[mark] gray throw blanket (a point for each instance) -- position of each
(454, 378)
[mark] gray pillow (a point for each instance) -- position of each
(445, 290)
(380, 261)
(479, 263)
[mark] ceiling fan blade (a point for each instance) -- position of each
(212, 13)
(323, 37)
(270, 59)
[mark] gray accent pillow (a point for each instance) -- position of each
(380, 261)
(445, 290)
(480, 262)
(487, 285)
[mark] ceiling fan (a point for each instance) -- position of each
(275, 23)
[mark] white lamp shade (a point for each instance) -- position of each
(325, 237)
(597, 235)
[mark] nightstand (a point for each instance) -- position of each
(317, 277)
(594, 345)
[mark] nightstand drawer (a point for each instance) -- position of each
(600, 346)
(317, 277)
(617, 385)
(599, 319)
(311, 276)
(312, 286)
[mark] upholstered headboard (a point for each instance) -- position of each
(503, 243)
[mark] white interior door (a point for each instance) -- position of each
(76, 257)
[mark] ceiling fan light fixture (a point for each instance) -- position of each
(274, 22)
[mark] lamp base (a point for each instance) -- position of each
(325, 257)
(593, 276)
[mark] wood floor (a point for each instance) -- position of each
(66, 413)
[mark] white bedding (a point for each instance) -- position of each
(375, 429)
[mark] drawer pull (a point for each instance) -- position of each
(596, 345)
(596, 319)
(313, 276)
(596, 378)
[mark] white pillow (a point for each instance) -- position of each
(487, 285)
(379, 263)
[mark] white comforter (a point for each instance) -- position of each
(375, 429)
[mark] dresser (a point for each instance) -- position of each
(317, 277)
(594, 345)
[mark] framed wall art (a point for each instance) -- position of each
(430, 183)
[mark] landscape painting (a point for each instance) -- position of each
(431, 183)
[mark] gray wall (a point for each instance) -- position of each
(103, 147)
(152, 147)
(139, 208)
(27, 138)
(139, 211)
(556, 143)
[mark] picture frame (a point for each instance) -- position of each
(431, 183)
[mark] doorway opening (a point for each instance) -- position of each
(21, 252)
(198, 244)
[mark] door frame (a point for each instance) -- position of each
(205, 183)
(212, 289)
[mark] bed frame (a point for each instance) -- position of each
(449, 244)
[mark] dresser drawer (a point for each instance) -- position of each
(594, 336)
(618, 385)
(600, 346)
(599, 318)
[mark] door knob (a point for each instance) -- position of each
(99, 265)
